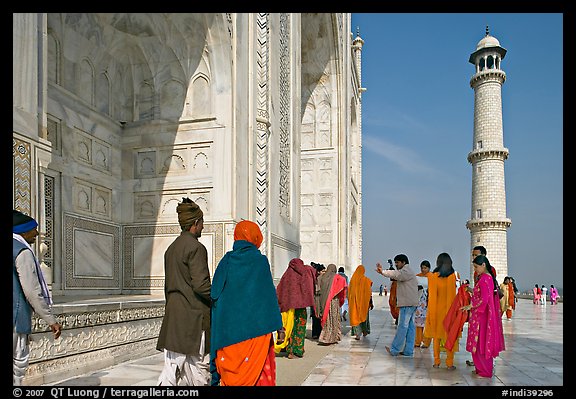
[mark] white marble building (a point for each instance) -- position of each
(117, 116)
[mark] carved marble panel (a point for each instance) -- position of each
(91, 253)
(82, 197)
(173, 161)
(144, 247)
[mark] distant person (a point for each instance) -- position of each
(553, 295)
(319, 269)
(29, 293)
(536, 294)
(185, 331)
(345, 306)
(381, 289)
(328, 301)
(543, 296)
(403, 342)
(507, 299)
(441, 293)
(244, 355)
(295, 293)
(485, 338)
(515, 289)
(360, 303)
(422, 308)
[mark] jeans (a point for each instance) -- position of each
(405, 332)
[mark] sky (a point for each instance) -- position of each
(417, 130)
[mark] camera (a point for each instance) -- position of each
(391, 266)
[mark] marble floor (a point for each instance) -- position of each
(534, 357)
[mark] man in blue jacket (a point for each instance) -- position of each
(29, 293)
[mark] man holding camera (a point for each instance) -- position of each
(407, 301)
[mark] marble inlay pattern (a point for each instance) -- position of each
(22, 175)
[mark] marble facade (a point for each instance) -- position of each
(117, 116)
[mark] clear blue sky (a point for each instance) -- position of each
(417, 124)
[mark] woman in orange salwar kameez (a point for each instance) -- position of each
(511, 299)
(485, 333)
(245, 313)
(441, 294)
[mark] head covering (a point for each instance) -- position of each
(249, 231)
(296, 287)
(244, 302)
(330, 285)
(359, 294)
(188, 212)
(22, 223)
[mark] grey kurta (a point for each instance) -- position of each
(187, 290)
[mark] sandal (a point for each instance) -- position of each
(436, 366)
(451, 368)
(281, 336)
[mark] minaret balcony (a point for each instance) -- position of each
(487, 153)
(488, 75)
(484, 223)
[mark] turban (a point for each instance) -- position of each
(249, 231)
(22, 223)
(188, 212)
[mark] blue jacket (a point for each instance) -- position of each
(21, 309)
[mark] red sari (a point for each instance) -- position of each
(455, 318)
(394, 310)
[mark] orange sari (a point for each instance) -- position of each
(256, 369)
(359, 294)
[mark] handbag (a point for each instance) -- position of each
(500, 292)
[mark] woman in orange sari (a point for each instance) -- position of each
(241, 342)
(360, 302)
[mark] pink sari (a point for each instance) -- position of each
(485, 333)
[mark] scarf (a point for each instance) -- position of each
(43, 285)
(244, 303)
(297, 286)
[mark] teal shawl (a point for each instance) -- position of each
(244, 301)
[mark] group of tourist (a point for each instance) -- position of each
(228, 330)
(433, 306)
(540, 294)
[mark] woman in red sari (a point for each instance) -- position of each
(485, 333)
(328, 301)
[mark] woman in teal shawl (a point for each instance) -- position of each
(245, 312)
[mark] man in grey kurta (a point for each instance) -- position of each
(185, 332)
(29, 293)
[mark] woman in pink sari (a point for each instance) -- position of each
(553, 295)
(485, 334)
(536, 291)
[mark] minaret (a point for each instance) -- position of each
(488, 223)
(357, 45)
